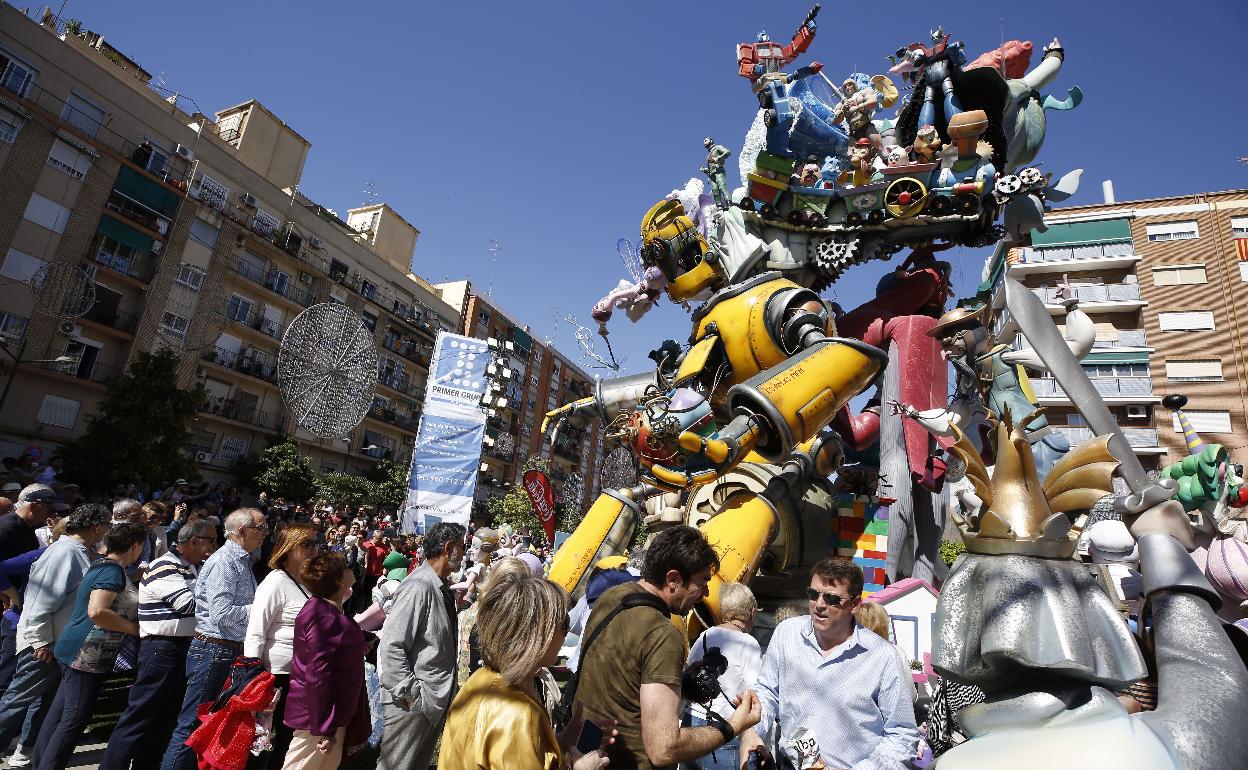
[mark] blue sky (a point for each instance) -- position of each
(552, 127)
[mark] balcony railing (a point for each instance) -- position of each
(137, 213)
(1143, 438)
(402, 384)
(1110, 387)
(409, 349)
(95, 371)
(380, 453)
(58, 109)
(1127, 338)
(112, 318)
(250, 361)
(1101, 292)
(270, 280)
(134, 267)
(231, 409)
(394, 418)
(1083, 251)
(255, 319)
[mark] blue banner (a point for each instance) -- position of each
(448, 442)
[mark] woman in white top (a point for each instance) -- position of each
(737, 607)
(271, 624)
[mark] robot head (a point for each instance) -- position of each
(672, 243)
(762, 37)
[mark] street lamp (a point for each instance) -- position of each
(4, 345)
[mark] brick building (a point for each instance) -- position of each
(1163, 281)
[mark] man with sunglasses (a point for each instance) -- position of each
(839, 682)
(166, 626)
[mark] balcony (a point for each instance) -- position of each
(112, 318)
(252, 318)
(1142, 440)
(275, 281)
(92, 371)
(377, 453)
(137, 213)
(230, 409)
(409, 349)
(57, 108)
(140, 269)
(1127, 338)
(1093, 256)
(1115, 390)
(403, 385)
(394, 418)
(1095, 296)
(250, 361)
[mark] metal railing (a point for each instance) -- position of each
(255, 319)
(58, 109)
(269, 280)
(1127, 338)
(141, 269)
(113, 318)
(409, 349)
(1106, 386)
(401, 384)
(249, 361)
(1101, 292)
(394, 418)
(1144, 438)
(141, 215)
(1077, 252)
(95, 371)
(230, 409)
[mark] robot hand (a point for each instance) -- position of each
(577, 414)
(711, 457)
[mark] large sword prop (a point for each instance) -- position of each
(1034, 321)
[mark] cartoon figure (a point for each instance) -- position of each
(716, 154)
(861, 169)
(762, 60)
(931, 69)
(635, 297)
(927, 145)
(972, 163)
(862, 96)
(830, 172)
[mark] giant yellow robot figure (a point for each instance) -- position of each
(733, 433)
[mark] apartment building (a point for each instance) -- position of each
(1163, 279)
(544, 380)
(172, 229)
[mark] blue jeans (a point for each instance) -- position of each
(68, 717)
(726, 757)
(8, 653)
(28, 697)
(207, 668)
(155, 698)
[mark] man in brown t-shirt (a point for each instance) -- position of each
(631, 673)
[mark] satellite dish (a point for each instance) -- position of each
(327, 370)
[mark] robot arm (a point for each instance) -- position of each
(611, 397)
(802, 38)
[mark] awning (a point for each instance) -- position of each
(523, 340)
(137, 187)
(123, 233)
(1116, 357)
(1075, 233)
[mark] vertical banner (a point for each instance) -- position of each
(447, 454)
(543, 498)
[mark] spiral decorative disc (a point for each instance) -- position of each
(327, 370)
(63, 289)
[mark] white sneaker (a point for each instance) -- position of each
(19, 759)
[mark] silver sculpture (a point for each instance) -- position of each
(327, 370)
(62, 290)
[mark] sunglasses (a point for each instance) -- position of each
(832, 600)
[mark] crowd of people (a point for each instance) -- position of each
(292, 635)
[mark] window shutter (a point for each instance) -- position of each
(1194, 370)
(1205, 421)
(1189, 321)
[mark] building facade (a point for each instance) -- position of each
(544, 379)
(1163, 279)
(131, 222)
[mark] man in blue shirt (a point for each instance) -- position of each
(835, 681)
(223, 594)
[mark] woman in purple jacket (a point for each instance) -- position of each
(327, 670)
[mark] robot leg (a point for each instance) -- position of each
(740, 532)
(927, 113)
(605, 531)
(952, 105)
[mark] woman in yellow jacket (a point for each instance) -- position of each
(497, 721)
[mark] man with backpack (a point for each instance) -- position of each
(631, 666)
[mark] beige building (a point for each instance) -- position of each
(192, 235)
(544, 379)
(1164, 282)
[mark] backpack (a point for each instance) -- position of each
(563, 714)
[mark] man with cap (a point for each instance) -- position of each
(10, 492)
(35, 505)
(607, 573)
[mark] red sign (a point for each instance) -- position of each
(543, 499)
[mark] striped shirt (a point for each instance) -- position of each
(852, 700)
(167, 598)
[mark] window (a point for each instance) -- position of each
(1194, 371)
(203, 440)
(20, 266)
(400, 309)
(47, 213)
(1239, 227)
(212, 192)
(266, 222)
(1172, 231)
(175, 324)
(370, 320)
(368, 289)
(57, 411)
(82, 114)
(232, 448)
(240, 308)
(204, 233)
(190, 276)
(328, 466)
(12, 327)
(69, 160)
(228, 127)
(8, 130)
(279, 281)
(1243, 272)
(1195, 320)
(1178, 275)
(154, 156)
(118, 256)
(1205, 421)
(15, 75)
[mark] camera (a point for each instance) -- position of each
(699, 683)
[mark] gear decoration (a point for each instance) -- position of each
(63, 290)
(327, 370)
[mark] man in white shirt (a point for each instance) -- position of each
(166, 626)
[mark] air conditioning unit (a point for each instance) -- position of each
(202, 456)
(1137, 412)
(69, 328)
(248, 199)
(305, 278)
(157, 246)
(184, 152)
(314, 242)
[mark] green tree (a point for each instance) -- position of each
(340, 488)
(390, 482)
(140, 428)
(281, 470)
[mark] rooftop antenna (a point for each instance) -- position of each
(554, 329)
(495, 247)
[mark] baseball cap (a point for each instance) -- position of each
(179, 482)
(42, 493)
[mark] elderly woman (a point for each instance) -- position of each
(327, 672)
(271, 623)
(732, 638)
(106, 610)
(496, 721)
